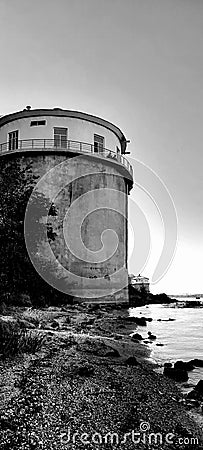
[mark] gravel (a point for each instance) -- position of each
(76, 385)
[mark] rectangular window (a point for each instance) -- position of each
(13, 140)
(37, 123)
(60, 137)
(98, 143)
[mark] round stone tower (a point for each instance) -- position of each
(79, 181)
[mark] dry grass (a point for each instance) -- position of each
(15, 340)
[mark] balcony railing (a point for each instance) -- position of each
(74, 146)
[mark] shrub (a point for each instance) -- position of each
(32, 341)
(15, 340)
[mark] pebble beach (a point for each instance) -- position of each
(89, 386)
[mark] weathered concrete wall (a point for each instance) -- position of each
(79, 196)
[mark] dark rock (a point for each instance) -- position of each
(165, 320)
(141, 321)
(131, 319)
(197, 392)
(151, 336)
(138, 320)
(131, 361)
(179, 365)
(167, 365)
(176, 374)
(192, 403)
(160, 299)
(181, 430)
(192, 395)
(159, 344)
(199, 386)
(183, 365)
(196, 362)
(84, 370)
(112, 353)
(55, 324)
(136, 337)
(94, 307)
(7, 423)
(189, 366)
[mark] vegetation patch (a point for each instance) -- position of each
(15, 340)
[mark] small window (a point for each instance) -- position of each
(98, 143)
(37, 123)
(13, 140)
(60, 137)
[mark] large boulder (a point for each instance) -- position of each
(131, 361)
(84, 370)
(113, 352)
(176, 374)
(184, 365)
(197, 392)
(168, 365)
(151, 336)
(138, 320)
(136, 337)
(197, 362)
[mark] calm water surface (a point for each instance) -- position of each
(182, 337)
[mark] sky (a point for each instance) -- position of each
(138, 64)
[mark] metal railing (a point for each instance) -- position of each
(75, 146)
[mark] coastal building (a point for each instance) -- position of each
(139, 282)
(91, 154)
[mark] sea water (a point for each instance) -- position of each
(182, 337)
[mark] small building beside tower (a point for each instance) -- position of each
(139, 282)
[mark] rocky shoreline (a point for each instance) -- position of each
(89, 386)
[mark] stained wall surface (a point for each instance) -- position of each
(88, 236)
